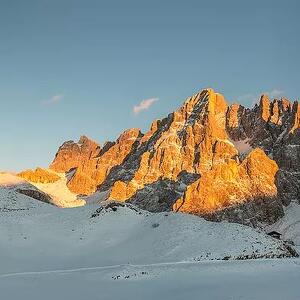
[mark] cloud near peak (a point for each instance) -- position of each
(53, 100)
(144, 105)
(276, 93)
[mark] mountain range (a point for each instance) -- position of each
(208, 158)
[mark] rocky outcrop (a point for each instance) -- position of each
(90, 163)
(206, 158)
(71, 155)
(39, 175)
(35, 194)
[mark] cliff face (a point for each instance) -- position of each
(88, 164)
(274, 127)
(206, 158)
(72, 155)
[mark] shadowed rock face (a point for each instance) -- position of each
(275, 128)
(162, 194)
(201, 159)
(35, 194)
(253, 213)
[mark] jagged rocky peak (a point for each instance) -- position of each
(273, 110)
(264, 123)
(132, 134)
(85, 142)
(296, 117)
(71, 154)
(264, 108)
(205, 107)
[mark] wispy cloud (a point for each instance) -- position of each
(53, 100)
(247, 98)
(144, 105)
(276, 93)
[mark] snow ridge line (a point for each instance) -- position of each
(59, 271)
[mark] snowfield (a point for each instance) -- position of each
(125, 253)
(246, 280)
(59, 192)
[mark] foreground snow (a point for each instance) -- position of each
(52, 253)
(256, 279)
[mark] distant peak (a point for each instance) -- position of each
(203, 96)
(264, 99)
(84, 139)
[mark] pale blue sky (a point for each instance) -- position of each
(73, 67)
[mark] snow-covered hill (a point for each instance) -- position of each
(31, 230)
(86, 252)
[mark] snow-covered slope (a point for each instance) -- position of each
(222, 280)
(289, 225)
(67, 238)
(58, 192)
(85, 253)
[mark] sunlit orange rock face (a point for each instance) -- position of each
(72, 155)
(231, 183)
(39, 175)
(296, 117)
(90, 163)
(264, 108)
(200, 159)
